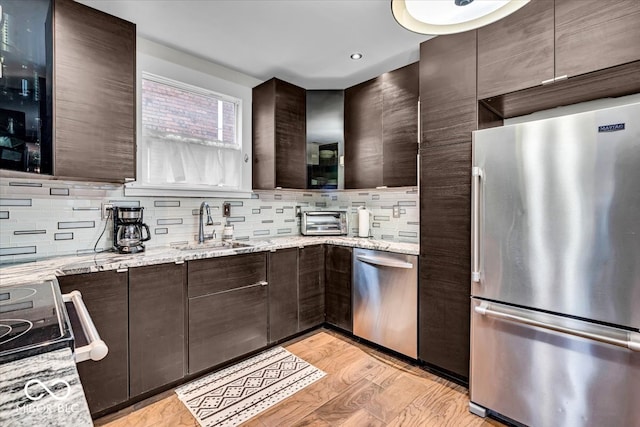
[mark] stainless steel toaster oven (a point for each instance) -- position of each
(324, 223)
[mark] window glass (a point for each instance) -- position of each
(189, 135)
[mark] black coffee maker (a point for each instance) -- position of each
(128, 233)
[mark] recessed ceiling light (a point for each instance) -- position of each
(437, 17)
(356, 55)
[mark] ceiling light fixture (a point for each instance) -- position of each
(356, 56)
(438, 17)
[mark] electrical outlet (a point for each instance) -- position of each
(396, 211)
(106, 210)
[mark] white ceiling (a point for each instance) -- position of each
(305, 42)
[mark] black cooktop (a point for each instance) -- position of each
(33, 320)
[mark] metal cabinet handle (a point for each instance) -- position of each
(477, 176)
(632, 341)
(555, 79)
(385, 262)
(96, 349)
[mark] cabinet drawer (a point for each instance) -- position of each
(208, 276)
(226, 325)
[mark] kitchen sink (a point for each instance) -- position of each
(214, 246)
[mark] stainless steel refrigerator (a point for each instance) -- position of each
(555, 285)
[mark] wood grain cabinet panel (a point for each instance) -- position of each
(106, 382)
(381, 130)
(400, 92)
(157, 305)
(448, 108)
(338, 267)
(591, 35)
(445, 231)
(228, 308)
(363, 135)
(207, 276)
(517, 52)
(311, 287)
(283, 293)
(94, 89)
(279, 136)
(226, 325)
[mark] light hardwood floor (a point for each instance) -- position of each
(363, 387)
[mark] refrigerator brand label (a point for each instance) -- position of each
(611, 128)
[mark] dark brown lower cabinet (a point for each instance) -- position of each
(157, 300)
(226, 325)
(311, 287)
(228, 310)
(338, 286)
(283, 293)
(106, 382)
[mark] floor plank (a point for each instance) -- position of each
(363, 387)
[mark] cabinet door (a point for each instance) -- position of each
(279, 136)
(592, 34)
(226, 325)
(291, 136)
(94, 87)
(517, 52)
(448, 89)
(445, 231)
(283, 293)
(106, 382)
(338, 286)
(263, 136)
(157, 301)
(400, 91)
(310, 287)
(363, 135)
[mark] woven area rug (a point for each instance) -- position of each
(239, 392)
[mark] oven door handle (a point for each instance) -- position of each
(96, 349)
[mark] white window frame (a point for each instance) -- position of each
(199, 80)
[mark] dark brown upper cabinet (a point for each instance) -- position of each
(381, 130)
(551, 40)
(363, 135)
(592, 35)
(448, 89)
(94, 94)
(516, 52)
(279, 136)
(400, 94)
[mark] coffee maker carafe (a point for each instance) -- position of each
(129, 230)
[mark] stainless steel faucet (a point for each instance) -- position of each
(201, 235)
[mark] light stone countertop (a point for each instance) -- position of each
(16, 409)
(46, 269)
(24, 401)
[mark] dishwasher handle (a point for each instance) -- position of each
(385, 262)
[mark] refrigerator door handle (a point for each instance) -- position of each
(632, 341)
(477, 176)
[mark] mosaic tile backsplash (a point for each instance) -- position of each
(44, 218)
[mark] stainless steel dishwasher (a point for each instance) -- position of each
(385, 299)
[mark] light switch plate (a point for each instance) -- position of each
(396, 211)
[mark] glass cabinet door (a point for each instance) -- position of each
(26, 54)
